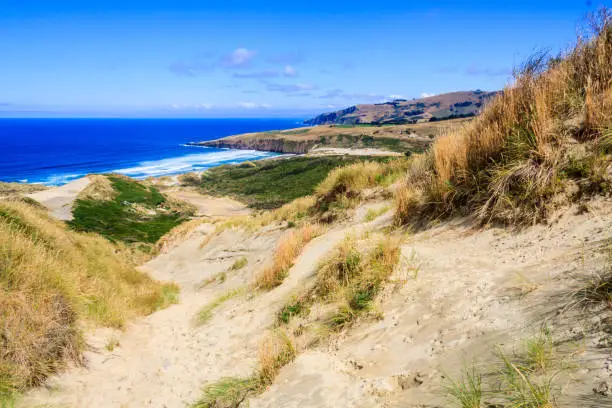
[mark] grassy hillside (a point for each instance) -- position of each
(545, 140)
(122, 209)
(12, 189)
(268, 184)
(412, 138)
(52, 280)
(434, 108)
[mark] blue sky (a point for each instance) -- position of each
(262, 58)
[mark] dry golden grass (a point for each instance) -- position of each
(51, 278)
(12, 189)
(349, 181)
(508, 163)
(346, 286)
(289, 247)
(276, 350)
(178, 234)
(100, 188)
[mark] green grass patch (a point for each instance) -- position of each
(205, 314)
(239, 264)
(268, 184)
(135, 214)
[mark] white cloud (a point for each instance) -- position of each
(395, 96)
(197, 106)
(240, 58)
(427, 95)
(289, 71)
(253, 105)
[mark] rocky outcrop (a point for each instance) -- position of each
(263, 144)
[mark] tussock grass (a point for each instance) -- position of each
(522, 388)
(373, 214)
(206, 313)
(348, 280)
(509, 163)
(15, 189)
(51, 279)
(239, 264)
(228, 392)
(466, 391)
(100, 188)
(350, 180)
(524, 379)
(598, 289)
(289, 247)
(276, 350)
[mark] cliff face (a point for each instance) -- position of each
(263, 144)
(401, 111)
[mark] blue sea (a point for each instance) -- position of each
(56, 151)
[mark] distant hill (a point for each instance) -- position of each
(401, 111)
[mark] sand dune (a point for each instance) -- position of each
(457, 293)
(59, 200)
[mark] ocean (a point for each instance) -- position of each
(56, 151)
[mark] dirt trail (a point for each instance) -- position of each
(458, 292)
(164, 359)
(208, 206)
(59, 200)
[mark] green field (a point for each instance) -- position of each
(269, 184)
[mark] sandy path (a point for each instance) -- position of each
(209, 206)
(163, 360)
(59, 200)
(366, 151)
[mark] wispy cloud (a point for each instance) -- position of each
(289, 71)
(203, 63)
(257, 74)
(239, 58)
(427, 95)
(253, 105)
(357, 96)
(289, 88)
(184, 106)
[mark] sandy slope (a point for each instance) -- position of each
(164, 359)
(208, 206)
(333, 151)
(473, 290)
(458, 292)
(59, 200)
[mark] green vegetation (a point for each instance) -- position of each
(267, 184)
(239, 264)
(54, 280)
(349, 278)
(466, 391)
(205, 314)
(276, 350)
(228, 392)
(134, 213)
(373, 214)
(524, 379)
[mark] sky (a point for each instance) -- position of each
(231, 58)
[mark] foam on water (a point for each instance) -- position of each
(192, 162)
